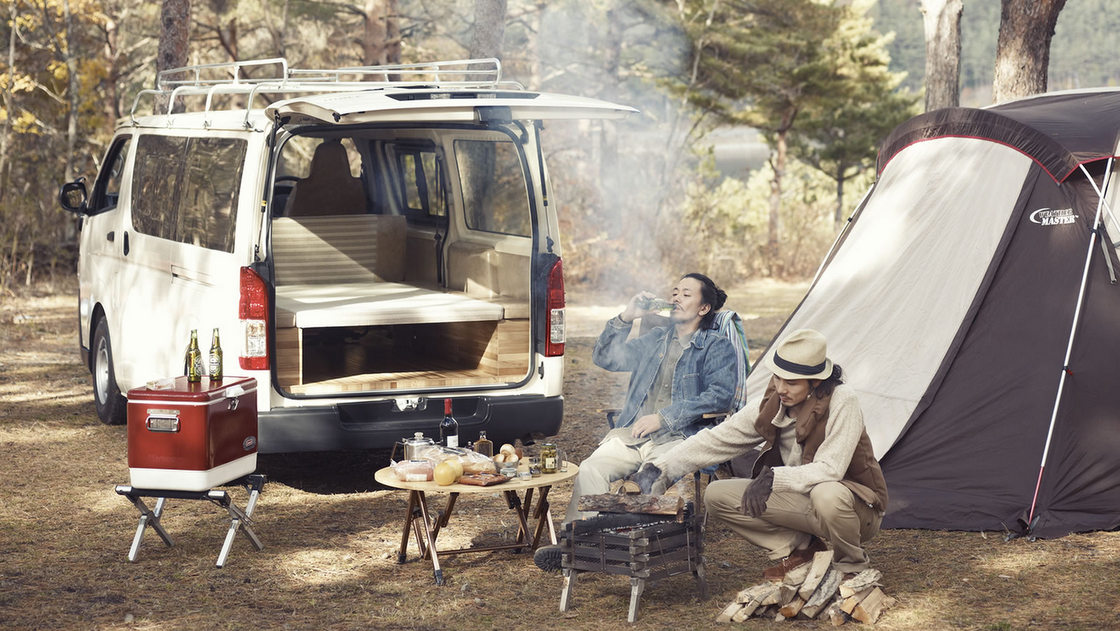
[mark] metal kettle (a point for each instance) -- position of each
(411, 446)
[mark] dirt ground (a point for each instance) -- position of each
(330, 533)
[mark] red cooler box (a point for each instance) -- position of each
(192, 436)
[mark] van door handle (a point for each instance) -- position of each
(126, 243)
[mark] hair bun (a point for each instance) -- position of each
(721, 297)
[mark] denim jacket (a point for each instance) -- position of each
(703, 381)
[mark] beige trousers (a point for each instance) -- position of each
(830, 511)
(612, 460)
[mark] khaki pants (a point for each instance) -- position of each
(830, 511)
(612, 460)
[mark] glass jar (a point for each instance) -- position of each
(550, 458)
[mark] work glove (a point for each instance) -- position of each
(758, 491)
(645, 477)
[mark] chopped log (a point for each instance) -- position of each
(826, 589)
(793, 607)
(651, 504)
(787, 593)
(870, 608)
(810, 613)
(836, 615)
(773, 597)
(850, 602)
(796, 576)
(860, 582)
(746, 612)
(628, 487)
(757, 593)
(730, 610)
(821, 563)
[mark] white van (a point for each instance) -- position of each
(362, 245)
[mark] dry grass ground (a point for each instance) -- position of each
(331, 534)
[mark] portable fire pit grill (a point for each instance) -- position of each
(655, 547)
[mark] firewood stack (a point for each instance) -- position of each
(813, 591)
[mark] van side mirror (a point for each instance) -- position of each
(72, 196)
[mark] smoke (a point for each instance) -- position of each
(615, 181)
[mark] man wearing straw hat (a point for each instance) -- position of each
(816, 483)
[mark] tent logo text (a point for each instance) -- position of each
(1053, 217)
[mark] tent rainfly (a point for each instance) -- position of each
(972, 302)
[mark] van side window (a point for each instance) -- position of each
(155, 182)
(208, 205)
(421, 184)
(107, 191)
(493, 187)
(186, 189)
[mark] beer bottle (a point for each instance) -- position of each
(194, 359)
(215, 358)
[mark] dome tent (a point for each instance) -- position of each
(974, 309)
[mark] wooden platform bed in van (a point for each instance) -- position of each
(347, 320)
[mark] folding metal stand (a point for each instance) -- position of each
(239, 520)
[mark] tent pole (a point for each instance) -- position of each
(1072, 331)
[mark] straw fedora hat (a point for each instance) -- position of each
(801, 356)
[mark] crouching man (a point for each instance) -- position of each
(816, 481)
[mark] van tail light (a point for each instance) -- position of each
(554, 346)
(253, 311)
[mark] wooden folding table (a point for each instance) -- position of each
(518, 494)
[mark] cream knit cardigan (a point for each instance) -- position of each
(737, 435)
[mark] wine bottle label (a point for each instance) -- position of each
(453, 440)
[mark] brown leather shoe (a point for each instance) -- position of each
(796, 558)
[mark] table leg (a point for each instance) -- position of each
(437, 572)
(444, 515)
(402, 554)
(543, 515)
(514, 502)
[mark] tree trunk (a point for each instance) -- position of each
(8, 102)
(381, 35)
(489, 29)
(111, 103)
(942, 20)
(74, 91)
(175, 34)
(1023, 48)
(838, 219)
(174, 38)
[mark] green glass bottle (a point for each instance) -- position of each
(194, 359)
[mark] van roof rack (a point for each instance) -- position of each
(238, 77)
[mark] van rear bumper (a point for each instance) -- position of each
(378, 424)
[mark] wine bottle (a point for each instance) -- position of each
(215, 358)
(448, 427)
(194, 359)
(484, 445)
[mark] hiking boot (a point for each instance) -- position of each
(796, 558)
(549, 558)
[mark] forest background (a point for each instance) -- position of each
(757, 134)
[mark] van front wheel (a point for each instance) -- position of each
(111, 405)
